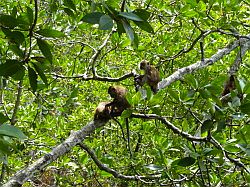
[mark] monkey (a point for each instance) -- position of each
(151, 76)
(119, 103)
(106, 110)
(229, 86)
(102, 111)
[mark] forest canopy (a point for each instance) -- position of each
(124, 93)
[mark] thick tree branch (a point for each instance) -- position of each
(75, 138)
(199, 65)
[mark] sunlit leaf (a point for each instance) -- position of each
(51, 33)
(12, 131)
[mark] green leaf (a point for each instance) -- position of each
(129, 30)
(207, 125)
(51, 33)
(70, 4)
(142, 13)
(15, 36)
(12, 131)
(40, 72)
(5, 147)
(186, 161)
(19, 74)
(221, 125)
(130, 15)
(8, 21)
(32, 79)
(30, 15)
(145, 26)
(9, 68)
(45, 48)
(106, 23)
(245, 108)
(3, 118)
(126, 113)
(93, 17)
(16, 50)
(105, 174)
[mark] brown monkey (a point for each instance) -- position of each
(102, 111)
(120, 103)
(151, 76)
(229, 86)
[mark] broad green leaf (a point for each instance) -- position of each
(105, 23)
(16, 50)
(3, 118)
(190, 13)
(51, 33)
(245, 108)
(32, 78)
(40, 72)
(9, 68)
(130, 15)
(30, 15)
(12, 131)
(5, 146)
(186, 161)
(45, 48)
(144, 25)
(93, 17)
(105, 174)
(142, 13)
(19, 74)
(232, 148)
(14, 36)
(70, 4)
(129, 30)
(8, 21)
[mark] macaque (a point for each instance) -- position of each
(106, 110)
(229, 86)
(151, 76)
(120, 103)
(102, 111)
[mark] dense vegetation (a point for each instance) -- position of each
(58, 59)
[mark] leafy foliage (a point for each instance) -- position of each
(57, 63)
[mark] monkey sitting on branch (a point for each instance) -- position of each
(151, 76)
(107, 110)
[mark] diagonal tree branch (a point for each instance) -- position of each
(75, 138)
(199, 65)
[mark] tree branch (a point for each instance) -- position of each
(199, 65)
(75, 138)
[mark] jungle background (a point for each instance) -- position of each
(58, 59)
